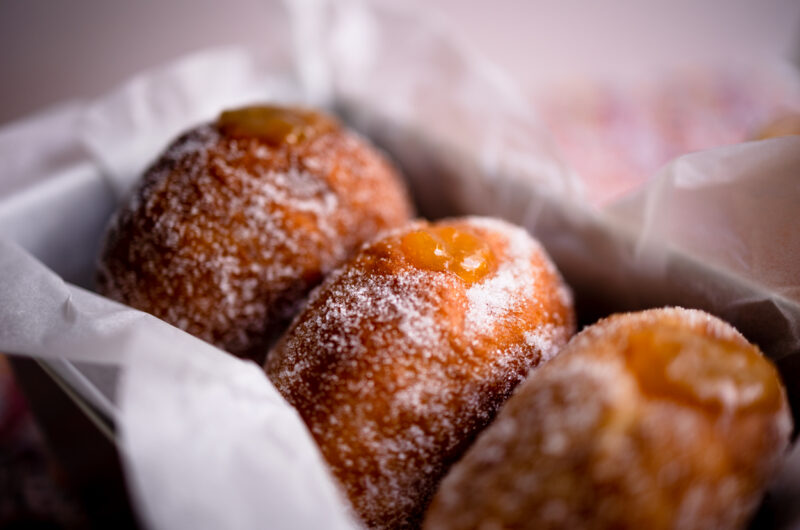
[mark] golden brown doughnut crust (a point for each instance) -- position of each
(666, 418)
(232, 226)
(406, 352)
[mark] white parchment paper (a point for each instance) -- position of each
(207, 442)
(206, 439)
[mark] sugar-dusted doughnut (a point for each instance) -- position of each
(406, 352)
(666, 418)
(233, 225)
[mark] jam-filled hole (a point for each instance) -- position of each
(274, 124)
(707, 373)
(449, 249)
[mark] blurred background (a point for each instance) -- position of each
(622, 86)
(62, 50)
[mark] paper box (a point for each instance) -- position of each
(204, 438)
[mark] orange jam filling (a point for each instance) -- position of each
(710, 374)
(276, 125)
(449, 249)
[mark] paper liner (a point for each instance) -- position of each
(206, 440)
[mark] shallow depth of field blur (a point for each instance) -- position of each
(623, 87)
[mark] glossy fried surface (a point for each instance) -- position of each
(406, 352)
(238, 219)
(666, 418)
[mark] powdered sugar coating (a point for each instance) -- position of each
(225, 236)
(395, 368)
(584, 443)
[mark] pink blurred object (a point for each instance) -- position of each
(13, 409)
(32, 494)
(616, 137)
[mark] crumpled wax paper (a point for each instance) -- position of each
(206, 440)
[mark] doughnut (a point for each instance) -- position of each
(406, 352)
(666, 418)
(784, 125)
(233, 225)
